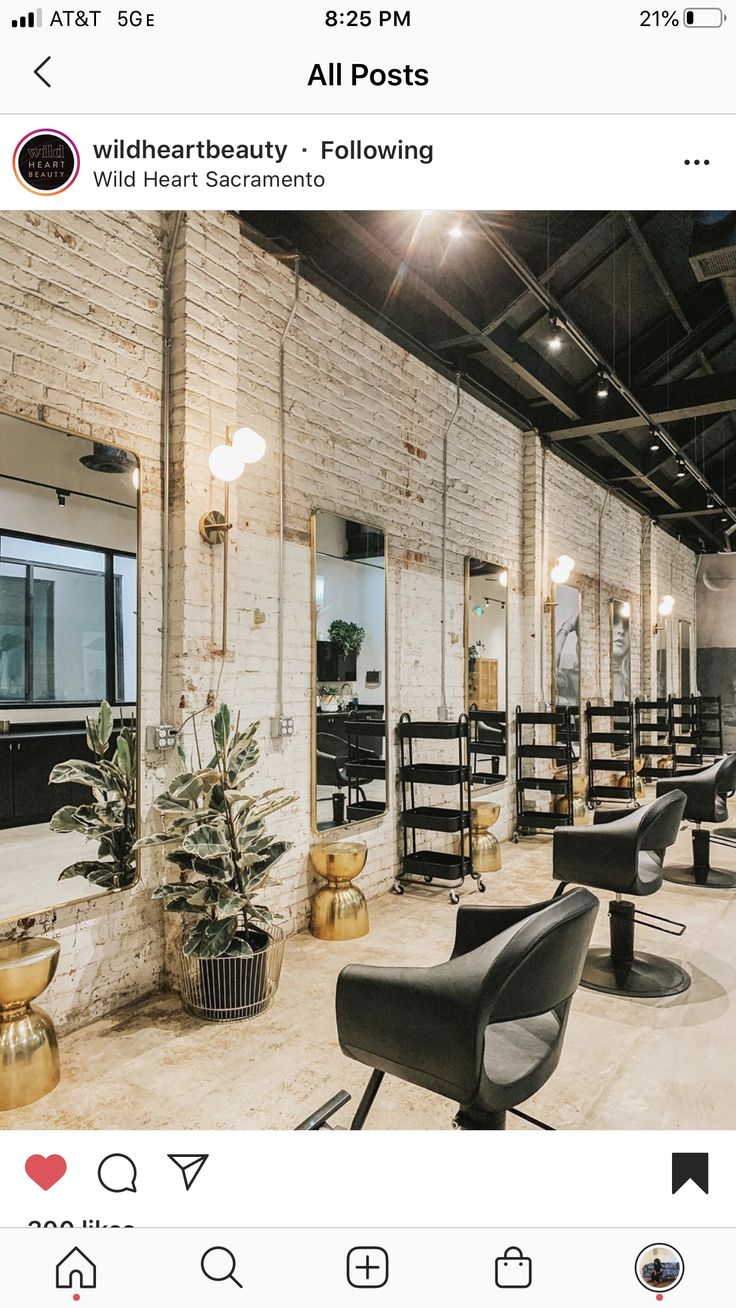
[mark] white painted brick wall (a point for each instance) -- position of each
(80, 333)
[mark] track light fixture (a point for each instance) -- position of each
(724, 518)
(710, 502)
(603, 385)
(680, 467)
(655, 441)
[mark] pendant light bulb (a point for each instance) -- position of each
(655, 442)
(724, 518)
(250, 446)
(710, 502)
(602, 386)
(680, 468)
(554, 343)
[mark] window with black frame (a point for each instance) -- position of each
(67, 623)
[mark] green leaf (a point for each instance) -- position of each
(104, 723)
(229, 903)
(210, 868)
(206, 842)
(210, 939)
(123, 758)
(221, 727)
(239, 948)
(79, 772)
(106, 875)
(156, 838)
(181, 905)
(168, 890)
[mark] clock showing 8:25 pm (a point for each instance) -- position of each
(367, 18)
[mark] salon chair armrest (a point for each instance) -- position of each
(420, 1023)
(603, 815)
(603, 856)
(476, 924)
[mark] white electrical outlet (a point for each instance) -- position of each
(281, 726)
(162, 736)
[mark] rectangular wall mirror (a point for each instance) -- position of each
(684, 644)
(566, 628)
(620, 617)
(486, 668)
(349, 671)
(661, 656)
(68, 642)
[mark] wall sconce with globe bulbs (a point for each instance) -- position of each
(227, 462)
(559, 574)
(664, 609)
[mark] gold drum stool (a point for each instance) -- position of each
(579, 793)
(339, 910)
(29, 1052)
(486, 849)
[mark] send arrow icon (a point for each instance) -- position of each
(689, 1167)
(190, 1165)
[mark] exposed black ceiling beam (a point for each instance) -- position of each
(694, 397)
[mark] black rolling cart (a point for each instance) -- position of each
(709, 728)
(432, 865)
(652, 732)
(488, 744)
(611, 725)
(684, 733)
(560, 751)
(364, 763)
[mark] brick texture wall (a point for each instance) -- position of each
(80, 348)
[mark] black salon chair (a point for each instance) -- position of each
(624, 855)
(706, 791)
(484, 1029)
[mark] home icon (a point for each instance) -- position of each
(76, 1270)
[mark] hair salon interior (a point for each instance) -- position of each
(367, 670)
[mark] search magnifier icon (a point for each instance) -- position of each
(218, 1264)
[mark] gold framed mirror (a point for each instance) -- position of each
(620, 645)
(349, 671)
(69, 642)
(684, 647)
(486, 668)
(566, 646)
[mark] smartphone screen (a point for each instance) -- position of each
(367, 653)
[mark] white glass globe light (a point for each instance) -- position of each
(250, 446)
(226, 463)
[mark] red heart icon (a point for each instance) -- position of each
(45, 1171)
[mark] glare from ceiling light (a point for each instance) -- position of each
(250, 446)
(226, 463)
(603, 386)
(503, 578)
(456, 232)
(626, 609)
(554, 342)
(666, 606)
(136, 477)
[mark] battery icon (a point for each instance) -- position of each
(703, 17)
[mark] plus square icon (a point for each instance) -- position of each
(367, 1267)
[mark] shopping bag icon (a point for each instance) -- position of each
(513, 1271)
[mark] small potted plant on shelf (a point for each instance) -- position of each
(232, 945)
(111, 818)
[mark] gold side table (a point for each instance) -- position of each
(579, 792)
(339, 910)
(29, 1052)
(486, 849)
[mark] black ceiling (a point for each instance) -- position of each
(648, 296)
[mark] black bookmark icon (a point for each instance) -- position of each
(689, 1167)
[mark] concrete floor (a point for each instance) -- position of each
(31, 859)
(626, 1064)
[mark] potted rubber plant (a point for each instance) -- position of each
(215, 836)
(110, 819)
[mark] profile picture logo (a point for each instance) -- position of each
(46, 162)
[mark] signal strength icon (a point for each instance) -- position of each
(34, 18)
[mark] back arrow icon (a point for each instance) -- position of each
(38, 73)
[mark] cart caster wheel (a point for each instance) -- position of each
(398, 890)
(454, 897)
(481, 887)
(515, 838)
(428, 881)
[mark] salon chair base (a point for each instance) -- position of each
(621, 970)
(700, 872)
